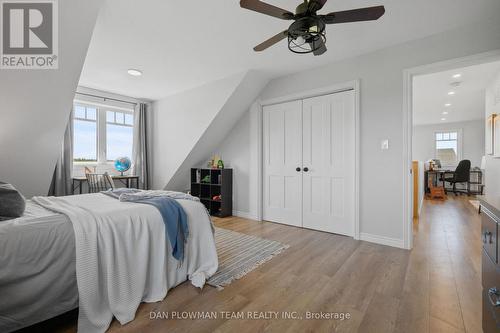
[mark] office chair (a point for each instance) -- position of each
(461, 175)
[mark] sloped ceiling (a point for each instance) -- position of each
(181, 45)
(35, 104)
(190, 126)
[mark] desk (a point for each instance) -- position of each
(128, 181)
(476, 180)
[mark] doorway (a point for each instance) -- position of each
(444, 116)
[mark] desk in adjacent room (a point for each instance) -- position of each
(476, 179)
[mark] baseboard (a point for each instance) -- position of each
(245, 215)
(394, 242)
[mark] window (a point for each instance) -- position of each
(101, 134)
(85, 134)
(448, 147)
(119, 134)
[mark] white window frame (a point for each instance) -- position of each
(101, 130)
(97, 130)
(459, 145)
(104, 130)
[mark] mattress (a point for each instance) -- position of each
(38, 277)
(37, 268)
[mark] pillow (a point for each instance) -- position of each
(12, 203)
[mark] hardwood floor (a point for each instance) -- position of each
(436, 287)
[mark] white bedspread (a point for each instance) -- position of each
(123, 257)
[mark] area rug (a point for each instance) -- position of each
(474, 203)
(240, 254)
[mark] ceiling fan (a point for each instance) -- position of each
(307, 33)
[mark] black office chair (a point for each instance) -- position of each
(461, 175)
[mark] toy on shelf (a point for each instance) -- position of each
(216, 162)
(206, 179)
(217, 198)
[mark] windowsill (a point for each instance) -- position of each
(92, 163)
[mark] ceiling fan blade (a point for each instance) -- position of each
(354, 15)
(320, 44)
(271, 41)
(264, 8)
(315, 5)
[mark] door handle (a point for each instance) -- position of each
(493, 292)
(298, 169)
(306, 169)
(486, 234)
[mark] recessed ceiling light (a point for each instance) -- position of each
(447, 105)
(445, 112)
(134, 72)
(443, 119)
(457, 76)
(451, 93)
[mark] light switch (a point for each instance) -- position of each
(384, 144)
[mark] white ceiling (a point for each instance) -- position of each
(430, 94)
(183, 44)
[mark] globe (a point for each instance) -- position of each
(122, 164)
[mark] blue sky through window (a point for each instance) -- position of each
(116, 141)
(85, 140)
(119, 141)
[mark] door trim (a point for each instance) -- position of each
(408, 75)
(337, 88)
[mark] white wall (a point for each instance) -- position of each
(179, 122)
(381, 76)
(240, 151)
(472, 140)
(492, 173)
(35, 104)
(189, 126)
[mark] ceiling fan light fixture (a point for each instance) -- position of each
(307, 35)
(302, 46)
(308, 23)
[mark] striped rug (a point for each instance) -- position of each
(240, 254)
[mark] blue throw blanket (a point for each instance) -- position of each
(171, 211)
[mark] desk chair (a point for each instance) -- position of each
(461, 175)
(99, 182)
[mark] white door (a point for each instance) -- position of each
(282, 155)
(329, 163)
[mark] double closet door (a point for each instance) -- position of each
(309, 163)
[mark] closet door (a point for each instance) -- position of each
(329, 162)
(282, 155)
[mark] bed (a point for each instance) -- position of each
(38, 260)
